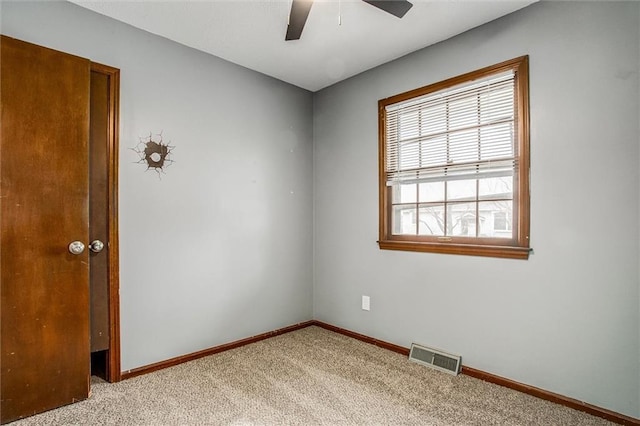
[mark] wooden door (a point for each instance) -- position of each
(103, 225)
(44, 206)
(98, 211)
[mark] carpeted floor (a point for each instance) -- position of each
(308, 377)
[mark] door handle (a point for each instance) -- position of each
(96, 246)
(76, 248)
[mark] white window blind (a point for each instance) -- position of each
(463, 132)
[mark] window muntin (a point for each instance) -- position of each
(454, 165)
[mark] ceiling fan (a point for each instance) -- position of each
(300, 10)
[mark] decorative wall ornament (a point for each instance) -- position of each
(154, 153)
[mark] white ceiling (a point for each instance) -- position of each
(251, 32)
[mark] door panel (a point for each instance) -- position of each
(98, 210)
(44, 354)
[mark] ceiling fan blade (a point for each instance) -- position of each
(395, 7)
(297, 18)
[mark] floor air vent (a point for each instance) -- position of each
(435, 359)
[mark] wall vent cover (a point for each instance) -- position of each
(435, 358)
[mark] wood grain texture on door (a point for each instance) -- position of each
(98, 210)
(43, 207)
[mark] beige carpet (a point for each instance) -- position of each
(308, 377)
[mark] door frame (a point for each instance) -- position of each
(113, 366)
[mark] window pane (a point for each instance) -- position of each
(434, 151)
(409, 155)
(431, 191)
(463, 112)
(461, 220)
(496, 219)
(408, 125)
(404, 193)
(497, 104)
(497, 141)
(500, 222)
(431, 220)
(404, 220)
(463, 146)
(433, 119)
(495, 188)
(461, 190)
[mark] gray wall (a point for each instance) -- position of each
(567, 319)
(220, 248)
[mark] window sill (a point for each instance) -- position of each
(508, 252)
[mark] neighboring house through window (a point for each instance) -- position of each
(454, 165)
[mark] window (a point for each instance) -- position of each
(454, 165)
(501, 221)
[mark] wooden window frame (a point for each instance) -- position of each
(516, 247)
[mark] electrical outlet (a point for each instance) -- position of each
(366, 303)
